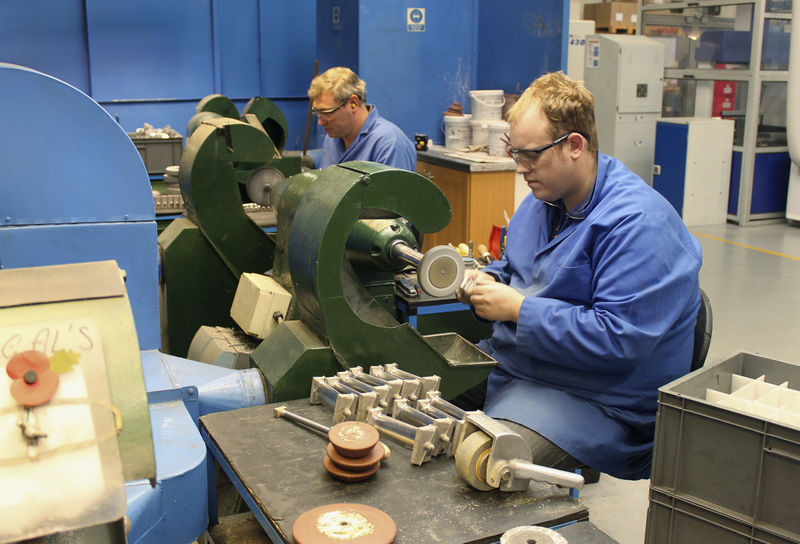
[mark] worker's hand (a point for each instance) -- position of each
(472, 277)
(496, 301)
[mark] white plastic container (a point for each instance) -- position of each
(457, 131)
(498, 131)
(480, 132)
(487, 105)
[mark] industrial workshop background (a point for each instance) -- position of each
(150, 61)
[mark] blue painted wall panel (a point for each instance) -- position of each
(46, 36)
(236, 54)
(288, 47)
(338, 34)
(150, 49)
(133, 245)
(519, 40)
(412, 77)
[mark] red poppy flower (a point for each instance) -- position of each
(34, 382)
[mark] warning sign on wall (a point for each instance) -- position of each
(415, 19)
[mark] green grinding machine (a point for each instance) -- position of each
(342, 234)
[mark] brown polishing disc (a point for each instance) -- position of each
(353, 438)
(344, 524)
(359, 463)
(348, 475)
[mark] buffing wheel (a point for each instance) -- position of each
(344, 523)
(525, 535)
(359, 463)
(471, 459)
(441, 271)
(349, 475)
(353, 438)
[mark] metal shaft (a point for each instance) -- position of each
(282, 411)
(406, 254)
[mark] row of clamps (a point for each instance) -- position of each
(403, 407)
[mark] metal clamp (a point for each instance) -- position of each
(343, 405)
(403, 411)
(419, 439)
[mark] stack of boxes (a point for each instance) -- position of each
(612, 17)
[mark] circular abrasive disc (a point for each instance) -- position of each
(353, 438)
(349, 475)
(344, 524)
(471, 458)
(359, 463)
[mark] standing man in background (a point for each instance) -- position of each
(595, 299)
(355, 131)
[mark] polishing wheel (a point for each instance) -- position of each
(344, 523)
(471, 459)
(440, 271)
(261, 183)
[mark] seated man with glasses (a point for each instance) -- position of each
(595, 300)
(355, 131)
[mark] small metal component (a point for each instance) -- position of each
(395, 385)
(382, 391)
(419, 439)
(403, 411)
(366, 399)
(343, 405)
(435, 406)
(411, 387)
(429, 383)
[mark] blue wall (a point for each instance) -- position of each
(152, 60)
(414, 74)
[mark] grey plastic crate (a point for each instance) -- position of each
(671, 520)
(735, 464)
(158, 153)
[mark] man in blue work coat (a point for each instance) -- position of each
(354, 130)
(596, 298)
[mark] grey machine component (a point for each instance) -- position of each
(625, 73)
(492, 456)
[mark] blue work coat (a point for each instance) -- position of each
(608, 317)
(379, 140)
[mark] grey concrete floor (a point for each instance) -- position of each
(752, 277)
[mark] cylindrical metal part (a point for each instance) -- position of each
(449, 408)
(406, 254)
(414, 416)
(398, 431)
(562, 478)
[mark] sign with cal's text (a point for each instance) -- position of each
(415, 19)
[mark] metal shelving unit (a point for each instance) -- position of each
(705, 43)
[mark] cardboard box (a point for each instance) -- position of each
(611, 14)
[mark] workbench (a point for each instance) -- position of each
(277, 468)
(479, 193)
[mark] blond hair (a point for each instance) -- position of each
(567, 104)
(340, 82)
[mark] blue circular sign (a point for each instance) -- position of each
(416, 15)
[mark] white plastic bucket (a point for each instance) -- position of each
(487, 105)
(457, 131)
(480, 132)
(497, 134)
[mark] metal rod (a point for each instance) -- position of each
(283, 411)
(406, 253)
